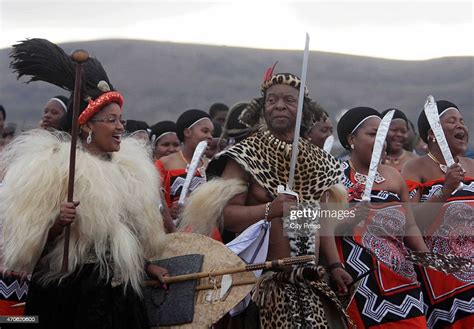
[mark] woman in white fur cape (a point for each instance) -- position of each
(115, 223)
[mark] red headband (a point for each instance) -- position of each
(96, 105)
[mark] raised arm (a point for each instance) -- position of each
(426, 212)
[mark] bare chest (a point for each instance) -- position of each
(257, 194)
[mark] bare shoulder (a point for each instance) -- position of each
(234, 170)
(415, 161)
(407, 158)
(389, 172)
(412, 170)
(411, 155)
(393, 176)
(468, 165)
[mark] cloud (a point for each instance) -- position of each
(401, 30)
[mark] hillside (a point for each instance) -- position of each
(160, 80)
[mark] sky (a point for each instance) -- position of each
(406, 30)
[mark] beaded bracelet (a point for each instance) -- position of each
(267, 210)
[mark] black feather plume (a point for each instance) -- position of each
(42, 60)
(94, 73)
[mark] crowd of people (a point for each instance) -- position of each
(130, 177)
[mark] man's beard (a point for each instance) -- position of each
(280, 128)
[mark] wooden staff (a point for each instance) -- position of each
(236, 269)
(309, 274)
(218, 285)
(79, 57)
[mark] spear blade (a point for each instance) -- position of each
(299, 114)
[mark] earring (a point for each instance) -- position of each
(89, 137)
(434, 140)
(352, 146)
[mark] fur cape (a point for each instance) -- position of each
(204, 208)
(118, 222)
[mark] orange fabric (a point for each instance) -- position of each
(166, 176)
(412, 185)
(165, 181)
(440, 288)
(434, 181)
(434, 225)
(465, 323)
(354, 314)
(216, 235)
(413, 323)
(441, 180)
(442, 284)
(7, 309)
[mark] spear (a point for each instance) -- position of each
(191, 170)
(299, 114)
(431, 111)
(380, 137)
(79, 57)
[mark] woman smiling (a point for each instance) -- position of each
(115, 223)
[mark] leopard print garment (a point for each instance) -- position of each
(267, 159)
(283, 79)
(288, 300)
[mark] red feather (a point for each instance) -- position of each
(269, 72)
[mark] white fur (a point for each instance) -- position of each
(337, 195)
(118, 211)
(204, 208)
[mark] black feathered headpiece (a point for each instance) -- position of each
(42, 60)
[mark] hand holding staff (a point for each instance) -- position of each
(78, 56)
(244, 268)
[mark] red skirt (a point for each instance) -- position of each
(13, 290)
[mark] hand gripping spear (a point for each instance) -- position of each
(431, 111)
(78, 56)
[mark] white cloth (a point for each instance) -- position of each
(252, 246)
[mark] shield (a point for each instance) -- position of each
(209, 303)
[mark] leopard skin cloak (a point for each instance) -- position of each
(267, 160)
